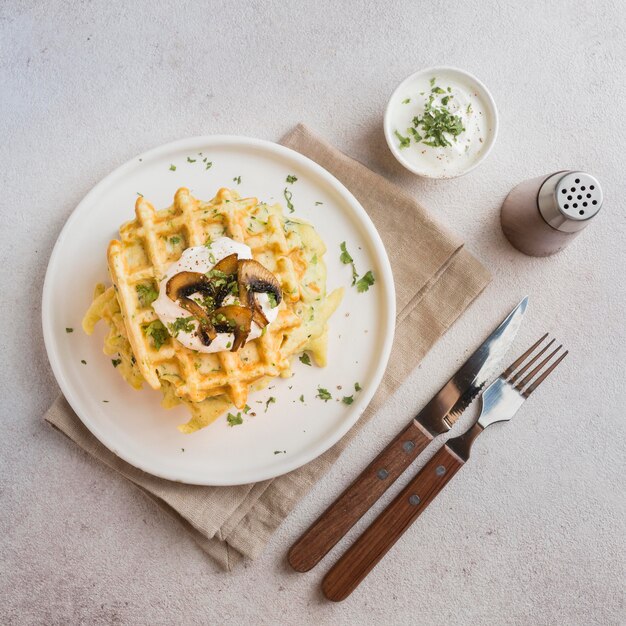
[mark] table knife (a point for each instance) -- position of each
(436, 418)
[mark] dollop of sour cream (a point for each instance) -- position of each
(202, 259)
(463, 98)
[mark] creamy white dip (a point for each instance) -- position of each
(461, 97)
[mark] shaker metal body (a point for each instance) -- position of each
(543, 215)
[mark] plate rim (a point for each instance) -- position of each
(389, 298)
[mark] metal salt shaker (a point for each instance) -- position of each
(542, 215)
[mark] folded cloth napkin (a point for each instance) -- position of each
(436, 280)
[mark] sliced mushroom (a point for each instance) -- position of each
(233, 319)
(186, 284)
(183, 285)
(253, 278)
(228, 265)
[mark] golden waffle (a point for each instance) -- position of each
(155, 239)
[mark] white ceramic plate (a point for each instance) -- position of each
(290, 433)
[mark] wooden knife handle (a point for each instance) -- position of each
(356, 500)
(359, 560)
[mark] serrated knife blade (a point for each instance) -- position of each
(440, 414)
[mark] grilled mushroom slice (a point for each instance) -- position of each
(223, 275)
(233, 319)
(228, 264)
(253, 278)
(183, 285)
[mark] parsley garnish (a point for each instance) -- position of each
(234, 420)
(318, 203)
(175, 240)
(347, 399)
(280, 451)
(146, 293)
(157, 332)
(302, 398)
(190, 160)
(406, 101)
(116, 362)
(237, 180)
(69, 330)
(405, 142)
(365, 282)
(172, 168)
(323, 394)
(272, 300)
(305, 358)
(288, 195)
(357, 387)
(139, 194)
(270, 400)
(83, 361)
(346, 259)
(291, 179)
(209, 164)
(246, 409)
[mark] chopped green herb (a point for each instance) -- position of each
(270, 400)
(305, 358)
(432, 81)
(237, 180)
(175, 240)
(445, 100)
(172, 168)
(105, 401)
(347, 399)
(469, 108)
(302, 398)
(288, 195)
(280, 451)
(272, 300)
(139, 194)
(157, 332)
(246, 409)
(323, 394)
(318, 203)
(346, 259)
(69, 330)
(405, 142)
(291, 179)
(234, 420)
(146, 293)
(209, 164)
(116, 362)
(83, 361)
(314, 259)
(437, 90)
(190, 160)
(365, 282)
(357, 387)
(229, 344)
(406, 101)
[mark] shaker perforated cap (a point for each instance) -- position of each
(568, 200)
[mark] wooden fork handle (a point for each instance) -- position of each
(359, 560)
(356, 500)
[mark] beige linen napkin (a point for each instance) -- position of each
(436, 279)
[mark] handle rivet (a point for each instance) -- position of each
(440, 471)
(414, 500)
(382, 474)
(408, 446)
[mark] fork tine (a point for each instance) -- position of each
(545, 375)
(522, 383)
(532, 361)
(509, 370)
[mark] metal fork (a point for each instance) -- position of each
(500, 401)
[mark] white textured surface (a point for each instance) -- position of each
(533, 530)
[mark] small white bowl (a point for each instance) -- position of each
(453, 163)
